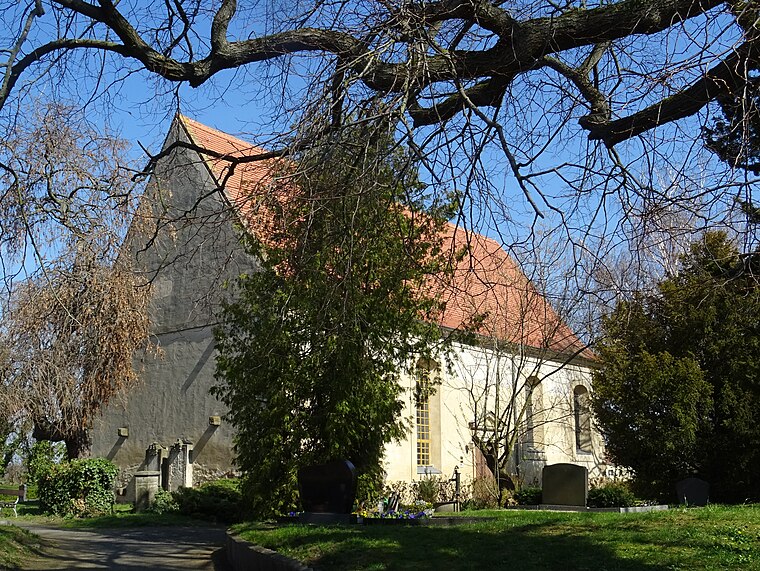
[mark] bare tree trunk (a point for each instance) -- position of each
(78, 445)
(78, 442)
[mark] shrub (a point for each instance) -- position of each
(79, 488)
(528, 496)
(220, 500)
(485, 494)
(369, 490)
(163, 503)
(611, 495)
(428, 489)
(42, 456)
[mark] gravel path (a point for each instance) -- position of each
(155, 548)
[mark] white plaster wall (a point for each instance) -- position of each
(470, 388)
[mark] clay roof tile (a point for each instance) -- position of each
(487, 291)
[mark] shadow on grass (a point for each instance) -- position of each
(544, 545)
(122, 516)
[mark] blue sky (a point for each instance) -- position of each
(590, 198)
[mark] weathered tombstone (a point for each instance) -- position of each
(693, 492)
(177, 467)
(146, 485)
(328, 488)
(564, 485)
(154, 457)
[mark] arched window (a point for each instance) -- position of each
(582, 412)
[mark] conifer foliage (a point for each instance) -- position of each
(309, 357)
(678, 393)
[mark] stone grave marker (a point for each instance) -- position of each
(154, 457)
(147, 483)
(177, 466)
(328, 488)
(564, 485)
(693, 492)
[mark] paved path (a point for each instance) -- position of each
(154, 548)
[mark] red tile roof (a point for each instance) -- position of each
(487, 289)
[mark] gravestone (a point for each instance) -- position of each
(147, 483)
(177, 467)
(693, 492)
(328, 488)
(564, 485)
(154, 457)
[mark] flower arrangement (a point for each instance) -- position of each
(419, 510)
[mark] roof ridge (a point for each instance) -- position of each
(191, 124)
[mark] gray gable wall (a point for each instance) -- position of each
(186, 248)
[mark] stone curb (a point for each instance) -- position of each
(558, 508)
(245, 556)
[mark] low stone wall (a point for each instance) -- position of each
(203, 473)
(632, 509)
(125, 479)
(244, 556)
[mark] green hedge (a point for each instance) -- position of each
(220, 500)
(528, 495)
(79, 488)
(611, 495)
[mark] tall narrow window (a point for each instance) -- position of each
(531, 387)
(423, 416)
(582, 413)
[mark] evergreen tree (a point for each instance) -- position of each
(679, 388)
(310, 353)
(735, 138)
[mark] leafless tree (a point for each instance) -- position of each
(72, 314)
(518, 378)
(71, 337)
(530, 109)
(516, 362)
(61, 183)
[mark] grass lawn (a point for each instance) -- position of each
(715, 537)
(122, 516)
(16, 546)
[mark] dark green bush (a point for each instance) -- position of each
(42, 456)
(163, 503)
(369, 490)
(220, 500)
(611, 495)
(528, 496)
(79, 488)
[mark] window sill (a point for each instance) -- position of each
(428, 470)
